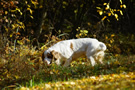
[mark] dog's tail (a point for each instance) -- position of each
(102, 46)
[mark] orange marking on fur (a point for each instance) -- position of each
(55, 54)
(71, 46)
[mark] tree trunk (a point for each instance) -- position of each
(40, 21)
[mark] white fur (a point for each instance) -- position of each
(69, 50)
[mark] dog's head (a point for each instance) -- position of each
(50, 55)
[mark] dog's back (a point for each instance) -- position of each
(75, 48)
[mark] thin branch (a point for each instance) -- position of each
(15, 38)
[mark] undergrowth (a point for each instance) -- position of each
(118, 70)
(22, 66)
(77, 70)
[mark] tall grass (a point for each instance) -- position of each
(56, 73)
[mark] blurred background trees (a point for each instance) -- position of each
(37, 20)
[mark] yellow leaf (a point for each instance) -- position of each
(121, 12)
(19, 11)
(31, 17)
(121, 1)
(16, 76)
(81, 31)
(109, 45)
(85, 31)
(100, 12)
(105, 4)
(6, 12)
(114, 10)
(19, 42)
(24, 88)
(26, 2)
(118, 9)
(89, 23)
(43, 47)
(124, 6)
(109, 14)
(75, 11)
(121, 6)
(34, 2)
(28, 5)
(13, 10)
(116, 16)
(65, 3)
(72, 83)
(77, 35)
(116, 55)
(106, 8)
(6, 28)
(30, 10)
(111, 41)
(106, 37)
(104, 18)
(13, 26)
(11, 35)
(98, 7)
(112, 35)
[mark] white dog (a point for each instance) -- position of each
(65, 51)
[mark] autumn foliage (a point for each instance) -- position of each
(28, 27)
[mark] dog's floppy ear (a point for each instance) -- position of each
(55, 54)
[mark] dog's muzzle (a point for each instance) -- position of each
(47, 62)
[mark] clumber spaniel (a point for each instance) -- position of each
(65, 51)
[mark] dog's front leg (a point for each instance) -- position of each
(58, 62)
(93, 63)
(67, 62)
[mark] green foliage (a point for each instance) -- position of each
(81, 33)
(119, 44)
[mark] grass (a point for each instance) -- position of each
(116, 73)
(24, 69)
(111, 81)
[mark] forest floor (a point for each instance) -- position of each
(116, 73)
